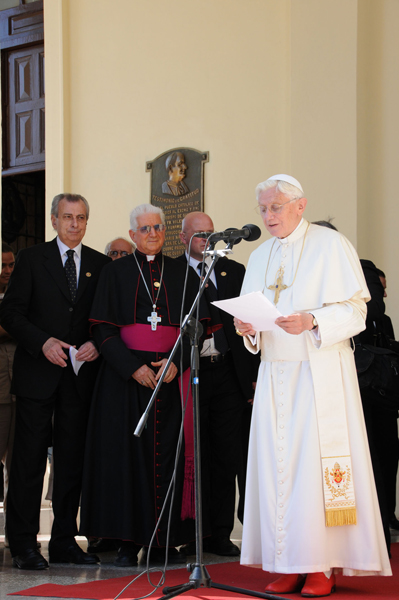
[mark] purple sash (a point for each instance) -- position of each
(141, 337)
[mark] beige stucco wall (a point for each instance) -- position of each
(145, 79)
(265, 86)
(378, 141)
(323, 108)
(234, 78)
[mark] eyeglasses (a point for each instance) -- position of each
(116, 253)
(147, 228)
(261, 209)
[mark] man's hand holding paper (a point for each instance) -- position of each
(254, 311)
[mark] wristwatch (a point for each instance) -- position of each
(314, 322)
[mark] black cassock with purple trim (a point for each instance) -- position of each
(126, 478)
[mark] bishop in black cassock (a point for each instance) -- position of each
(126, 478)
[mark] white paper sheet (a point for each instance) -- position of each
(76, 364)
(252, 308)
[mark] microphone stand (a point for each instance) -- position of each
(199, 577)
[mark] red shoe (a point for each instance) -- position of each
(286, 584)
(317, 584)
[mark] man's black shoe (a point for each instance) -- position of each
(222, 546)
(394, 523)
(127, 555)
(73, 554)
(157, 556)
(30, 559)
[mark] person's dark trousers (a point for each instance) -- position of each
(371, 412)
(385, 426)
(33, 435)
(221, 407)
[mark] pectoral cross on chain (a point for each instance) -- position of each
(277, 286)
(154, 319)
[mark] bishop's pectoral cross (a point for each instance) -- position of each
(278, 286)
(154, 319)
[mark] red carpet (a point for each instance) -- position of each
(349, 588)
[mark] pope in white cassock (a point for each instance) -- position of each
(311, 508)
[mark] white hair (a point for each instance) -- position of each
(287, 189)
(143, 209)
(108, 246)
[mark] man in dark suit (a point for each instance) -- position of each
(381, 420)
(227, 373)
(46, 311)
(392, 442)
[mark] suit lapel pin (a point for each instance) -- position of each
(88, 274)
(223, 273)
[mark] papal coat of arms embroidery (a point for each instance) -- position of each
(337, 480)
(337, 475)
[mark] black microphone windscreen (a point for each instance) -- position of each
(254, 232)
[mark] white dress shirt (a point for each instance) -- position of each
(77, 256)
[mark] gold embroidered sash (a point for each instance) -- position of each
(339, 493)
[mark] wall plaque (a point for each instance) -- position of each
(177, 186)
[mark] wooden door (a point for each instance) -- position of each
(26, 115)
(22, 88)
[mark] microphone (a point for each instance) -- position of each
(233, 235)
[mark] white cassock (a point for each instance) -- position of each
(284, 521)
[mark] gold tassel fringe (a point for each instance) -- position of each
(335, 518)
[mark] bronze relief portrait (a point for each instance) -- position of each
(177, 186)
(176, 168)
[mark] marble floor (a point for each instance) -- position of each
(13, 580)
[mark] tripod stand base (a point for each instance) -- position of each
(200, 578)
